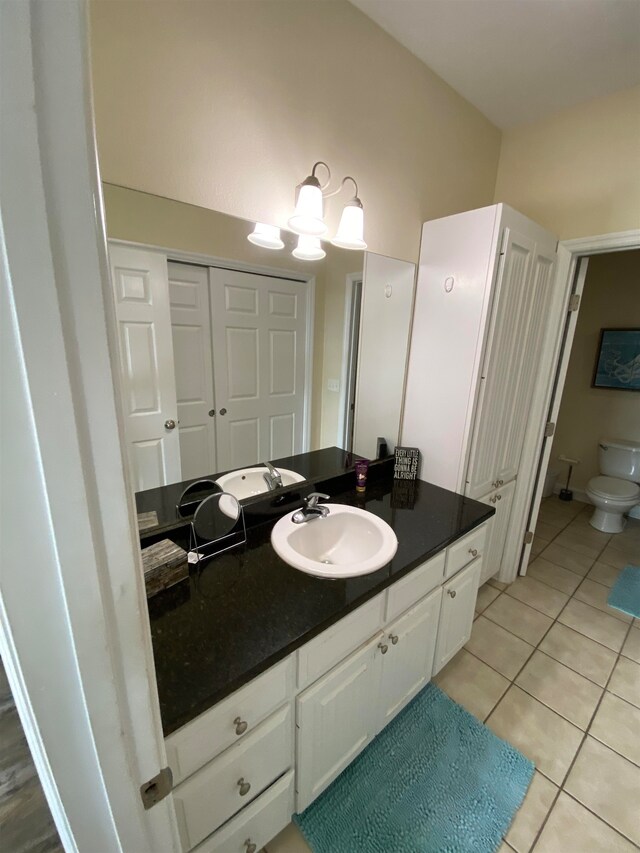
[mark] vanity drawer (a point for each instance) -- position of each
(212, 795)
(208, 735)
(462, 552)
(257, 824)
(406, 592)
(333, 645)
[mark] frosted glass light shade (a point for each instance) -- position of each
(309, 249)
(266, 236)
(307, 217)
(351, 229)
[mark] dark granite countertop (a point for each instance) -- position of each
(313, 466)
(245, 610)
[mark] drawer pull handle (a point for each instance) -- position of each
(452, 593)
(245, 787)
(251, 847)
(394, 638)
(383, 648)
(473, 552)
(240, 725)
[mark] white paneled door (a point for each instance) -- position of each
(140, 286)
(192, 352)
(259, 326)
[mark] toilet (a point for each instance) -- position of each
(615, 491)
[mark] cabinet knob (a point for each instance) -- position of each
(241, 726)
(394, 638)
(500, 482)
(473, 552)
(251, 847)
(493, 499)
(452, 593)
(223, 411)
(383, 648)
(244, 787)
(498, 497)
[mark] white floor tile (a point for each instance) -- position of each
(573, 829)
(608, 785)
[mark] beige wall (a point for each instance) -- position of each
(611, 299)
(143, 218)
(577, 173)
(227, 104)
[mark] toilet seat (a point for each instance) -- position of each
(614, 488)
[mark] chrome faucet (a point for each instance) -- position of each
(311, 509)
(272, 477)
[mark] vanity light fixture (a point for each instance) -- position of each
(309, 249)
(266, 236)
(307, 219)
(351, 229)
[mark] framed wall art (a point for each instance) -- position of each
(618, 360)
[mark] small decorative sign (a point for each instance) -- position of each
(407, 460)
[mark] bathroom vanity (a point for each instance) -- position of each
(272, 681)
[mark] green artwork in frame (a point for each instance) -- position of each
(618, 360)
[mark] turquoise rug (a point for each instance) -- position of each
(625, 593)
(435, 780)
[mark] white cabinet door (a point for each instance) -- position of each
(336, 719)
(502, 363)
(502, 500)
(407, 663)
(191, 331)
(260, 349)
(141, 292)
(456, 613)
(525, 363)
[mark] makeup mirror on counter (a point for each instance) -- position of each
(233, 354)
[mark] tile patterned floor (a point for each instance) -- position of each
(555, 671)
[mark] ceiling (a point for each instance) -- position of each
(519, 60)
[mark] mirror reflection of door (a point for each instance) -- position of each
(260, 365)
(239, 343)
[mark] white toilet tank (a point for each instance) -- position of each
(619, 458)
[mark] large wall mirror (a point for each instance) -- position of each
(234, 355)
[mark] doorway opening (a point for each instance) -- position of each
(599, 284)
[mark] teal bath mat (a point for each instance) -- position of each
(625, 593)
(435, 780)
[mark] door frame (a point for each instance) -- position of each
(200, 259)
(74, 627)
(555, 360)
(349, 363)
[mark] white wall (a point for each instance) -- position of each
(227, 105)
(577, 172)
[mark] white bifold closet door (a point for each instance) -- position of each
(140, 287)
(193, 356)
(259, 328)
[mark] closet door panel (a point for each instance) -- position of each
(502, 365)
(139, 279)
(259, 328)
(191, 333)
(525, 372)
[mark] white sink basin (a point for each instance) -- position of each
(247, 482)
(346, 543)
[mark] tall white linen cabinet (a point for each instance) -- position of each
(484, 289)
